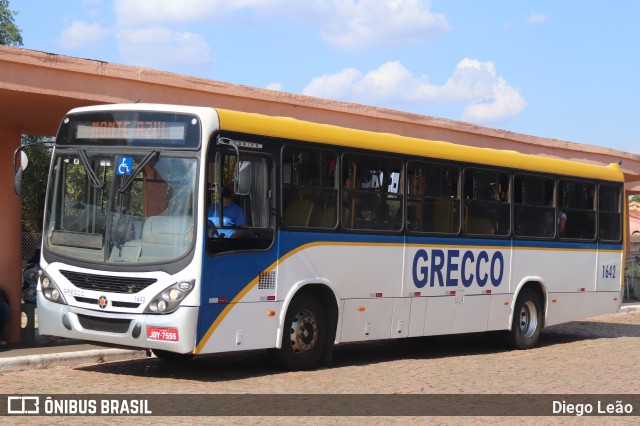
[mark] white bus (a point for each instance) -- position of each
(328, 235)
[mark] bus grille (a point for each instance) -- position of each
(114, 303)
(107, 283)
(110, 325)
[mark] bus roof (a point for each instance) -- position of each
(290, 128)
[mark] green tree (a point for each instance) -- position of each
(10, 34)
(635, 197)
(34, 181)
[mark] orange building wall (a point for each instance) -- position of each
(10, 232)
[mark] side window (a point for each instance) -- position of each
(533, 205)
(309, 193)
(246, 222)
(433, 203)
(486, 208)
(609, 212)
(577, 205)
(372, 196)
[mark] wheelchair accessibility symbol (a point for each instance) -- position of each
(125, 164)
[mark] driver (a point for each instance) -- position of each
(233, 215)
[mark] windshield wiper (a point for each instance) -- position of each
(129, 180)
(91, 174)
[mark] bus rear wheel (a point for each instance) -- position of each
(304, 336)
(527, 321)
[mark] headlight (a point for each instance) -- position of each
(51, 291)
(169, 299)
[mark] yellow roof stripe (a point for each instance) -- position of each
(289, 128)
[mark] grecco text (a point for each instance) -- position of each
(445, 268)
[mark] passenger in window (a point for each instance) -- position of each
(233, 216)
(561, 217)
(550, 223)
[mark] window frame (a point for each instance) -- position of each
(409, 197)
(282, 186)
(400, 194)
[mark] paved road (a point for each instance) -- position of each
(592, 357)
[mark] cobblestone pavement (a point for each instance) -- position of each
(596, 356)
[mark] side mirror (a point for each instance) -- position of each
(243, 181)
(17, 181)
(17, 170)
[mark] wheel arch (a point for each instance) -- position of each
(538, 286)
(322, 290)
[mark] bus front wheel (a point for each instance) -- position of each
(304, 336)
(527, 321)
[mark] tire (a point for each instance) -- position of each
(304, 337)
(527, 321)
(172, 357)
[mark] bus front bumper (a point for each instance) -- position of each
(174, 332)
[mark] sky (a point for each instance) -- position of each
(566, 70)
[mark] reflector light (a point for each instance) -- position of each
(452, 293)
(378, 294)
(488, 291)
(417, 293)
(271, 298)
(554, 300)
(271, 313)
(506, 303)
(361, 308)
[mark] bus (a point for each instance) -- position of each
(327, 235)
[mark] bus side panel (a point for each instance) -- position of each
(417, 316)
(609, 271)
(245, 326)
(564, 307)
(456, 314)
(400, 320)
(500, 312)
(441, 314)
(609, 274)
(366, 319)
(567, 272)
(360, 269)
(600, 303)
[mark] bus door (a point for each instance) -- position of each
(240, 253)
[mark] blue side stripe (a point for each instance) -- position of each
(292, 240)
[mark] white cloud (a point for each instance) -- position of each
(475, 85)
(136, 12)
(345, 24)
(159, 47)
(366, 24)
(80, 35)
(279, 87)
(505, 101)
(537, 19)
(340, 85)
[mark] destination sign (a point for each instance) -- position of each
(131, 129)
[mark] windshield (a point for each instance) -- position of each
(133, 208)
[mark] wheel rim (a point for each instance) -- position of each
(304, 332)
(528, 319)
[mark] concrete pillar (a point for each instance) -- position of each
(10, 233)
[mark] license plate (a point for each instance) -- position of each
(160, 333)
